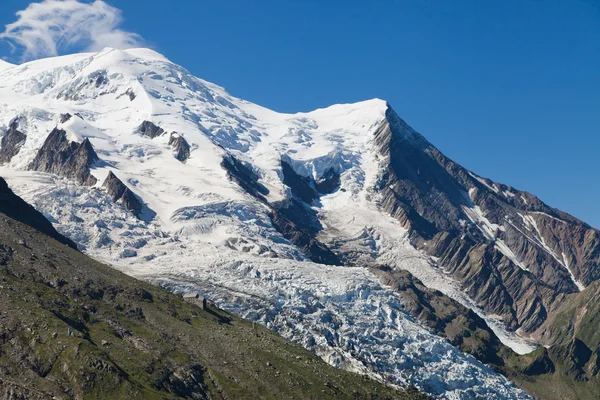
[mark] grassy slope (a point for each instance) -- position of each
(574, 331)
(71, 327)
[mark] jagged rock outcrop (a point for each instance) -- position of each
(329, 182)
(120, 193)
(64, 158)
(302, 187)
(181, 148)
(150, 130)
(244, 176)
(511, 252)
(65, 117)
(300, 226)
(11, 142)
(307, 188)
(131, 94)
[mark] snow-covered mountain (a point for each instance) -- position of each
(276, 216)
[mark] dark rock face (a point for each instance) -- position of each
(16, 208)
(11, 142)
(78, 164)
(307, 188)
(294, 219)
(301, 186)
(542, 364)
(150, 130)
(329, 182)
(131, 94)
(64, 158)
(492, 279)
(469, 222)
(244, 176)
(119, 192)
(417, 190)
(299, 224)
(65, 117)
(181, 147)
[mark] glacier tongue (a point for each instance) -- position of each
(345, 316)
(208, 233)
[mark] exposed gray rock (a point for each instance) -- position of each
(329, 182)
(301, 186)
(181, 147)
(299, 224)
(306, 187)
(119, 192)
(69, 159)
(150, 130)
(245, 176)
(79, 163)
(97, 79)
(131, 94)
(11, 142)
(65, 117)
(430, 195)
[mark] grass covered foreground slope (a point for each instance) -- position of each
(72, 328)
(573, 330)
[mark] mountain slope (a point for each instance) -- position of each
(73, 328)
(171, 179)
(512, 253)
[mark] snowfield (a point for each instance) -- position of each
(201, 231)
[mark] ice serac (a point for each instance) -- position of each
(65, 158)
(120, 193)
(511, 252)
(448, 318)
(11, 142)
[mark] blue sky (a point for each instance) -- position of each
(510, 89)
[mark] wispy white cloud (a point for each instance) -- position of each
(52, 27)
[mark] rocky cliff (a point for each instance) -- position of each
(120, 193)
(511, 252)
(65, 158)
(11, 142)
